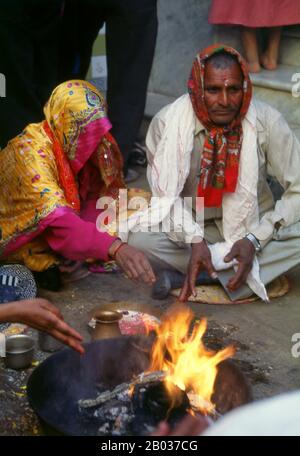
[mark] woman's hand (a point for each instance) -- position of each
(200, 259)
(41, 314)
(133, 262)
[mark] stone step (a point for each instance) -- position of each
(279, 79)
(290, 50)
(155, 102)
(278, 93)
(290, 46)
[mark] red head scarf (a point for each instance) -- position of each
(222, 146)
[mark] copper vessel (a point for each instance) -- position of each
(107, 324)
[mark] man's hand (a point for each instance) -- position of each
(134, 263)
(200, 260)
(244, 252)
(41, 314)
(189, 426)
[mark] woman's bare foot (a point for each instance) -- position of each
(268, 62)
(249, 40)
(269, 58)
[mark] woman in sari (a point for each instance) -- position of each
(51, 176)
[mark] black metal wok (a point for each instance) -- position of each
(57, 384)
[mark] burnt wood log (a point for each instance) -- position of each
(142, 379)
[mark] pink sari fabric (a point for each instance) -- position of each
(87, 143)
(255, 13)
(77, 238)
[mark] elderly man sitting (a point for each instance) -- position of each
(219, 143)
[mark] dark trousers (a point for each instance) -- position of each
(29, 39)
(131, 29)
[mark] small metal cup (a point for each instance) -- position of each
(107, 324)
(19, 351)
(48, 343)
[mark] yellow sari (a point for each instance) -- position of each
(39, 169)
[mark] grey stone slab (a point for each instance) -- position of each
(183, 31)
(284, 102)
(155, 102)
(279, 79)
(290, 51)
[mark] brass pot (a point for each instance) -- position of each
(107, 324)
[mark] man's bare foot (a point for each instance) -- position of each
(253, 67)
(268, 63)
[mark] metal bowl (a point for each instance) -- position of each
(19, 351)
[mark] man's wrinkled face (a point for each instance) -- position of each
(223, 92)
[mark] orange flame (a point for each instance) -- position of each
(190, 365)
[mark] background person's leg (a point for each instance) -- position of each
(46, 27)
(269, 59)
(28, 41)
(131, 29)
(81, 22)
(250, 45)
(20, 105)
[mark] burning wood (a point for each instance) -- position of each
(137, 411)
(142, 379)
(190, 365)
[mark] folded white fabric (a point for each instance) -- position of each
(220, 250)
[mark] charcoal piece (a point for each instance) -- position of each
(152, 404)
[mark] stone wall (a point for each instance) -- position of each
(183, 31)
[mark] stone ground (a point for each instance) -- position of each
(261, 333)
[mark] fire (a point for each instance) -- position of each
(190, 365)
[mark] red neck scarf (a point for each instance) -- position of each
(66, 177)
(222, 146)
